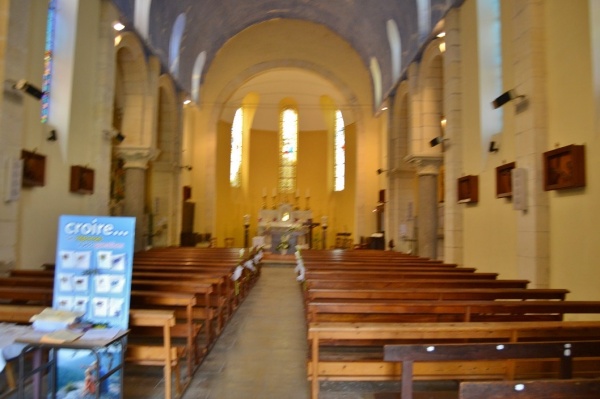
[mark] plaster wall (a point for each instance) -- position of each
(292, 43)
(81, 54)
(313, 158)
(574, 217)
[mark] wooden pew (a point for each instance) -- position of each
(412, 283)
(329, 361)
(564, 351)
(166, 356)
(395, 275)
(219, 298)
(202, 290)
(447, 311)
(435, 294)
(547, 389)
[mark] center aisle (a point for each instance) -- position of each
(262, 352)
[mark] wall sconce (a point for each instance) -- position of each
(186, 167)
(437, 140)
(493, 147)
(506, 97)
(119, 137)
(380, 171)
(52, 135)
(26, 87)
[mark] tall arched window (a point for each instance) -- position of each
(235, 165)
(288, 150)
(339, 172)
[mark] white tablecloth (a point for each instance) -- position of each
(8, 348)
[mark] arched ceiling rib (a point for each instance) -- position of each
(211, 23)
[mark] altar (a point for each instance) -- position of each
(284, 229)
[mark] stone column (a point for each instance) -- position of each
(453, 211)
(428, 167)
(531, 138)
(134, 204)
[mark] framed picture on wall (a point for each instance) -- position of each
(564, 167)
(504, 180)
(34, 169)
(82, 180)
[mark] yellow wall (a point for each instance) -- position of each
(574, 216)
(490, 237)
(313, 157)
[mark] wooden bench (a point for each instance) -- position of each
(333, 355)
(547, 389)
(412, 283)
(396, 274)
(202, 290)
(166, 356)
(393, 311)
(564, 351)
(436, 294)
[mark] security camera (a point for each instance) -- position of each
(436, 141)
(26, 87)
(505, 97)
(119, 137)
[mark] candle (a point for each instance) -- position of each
(264, 191)
(297, 193)
(274, 192)
(308, 192)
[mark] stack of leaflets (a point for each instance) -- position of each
(53, 319)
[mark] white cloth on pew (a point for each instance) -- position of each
(250, 265)
(237, 273)
(300, 270)
(8, 334)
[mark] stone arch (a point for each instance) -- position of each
(164, 184)
(256, 69)
(167, 132)
(131, 78)
(431, 87)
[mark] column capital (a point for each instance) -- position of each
(137, 157)
(426, 164)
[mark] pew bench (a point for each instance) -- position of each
(548, 389)
(564, 351)
(436, 294)
(392, 311)
(333, 355)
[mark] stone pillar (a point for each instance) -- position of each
(134, 204)
(428, 167)
(531, 138)
(453, 211)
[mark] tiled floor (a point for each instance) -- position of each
(262, 351)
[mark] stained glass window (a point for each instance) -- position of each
(235, 166)
(288, 147)
(49, 48)
(340, 152)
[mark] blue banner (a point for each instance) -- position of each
(93, 268)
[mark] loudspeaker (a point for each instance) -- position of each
(503, 99)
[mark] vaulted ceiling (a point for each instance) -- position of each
(187, 34)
